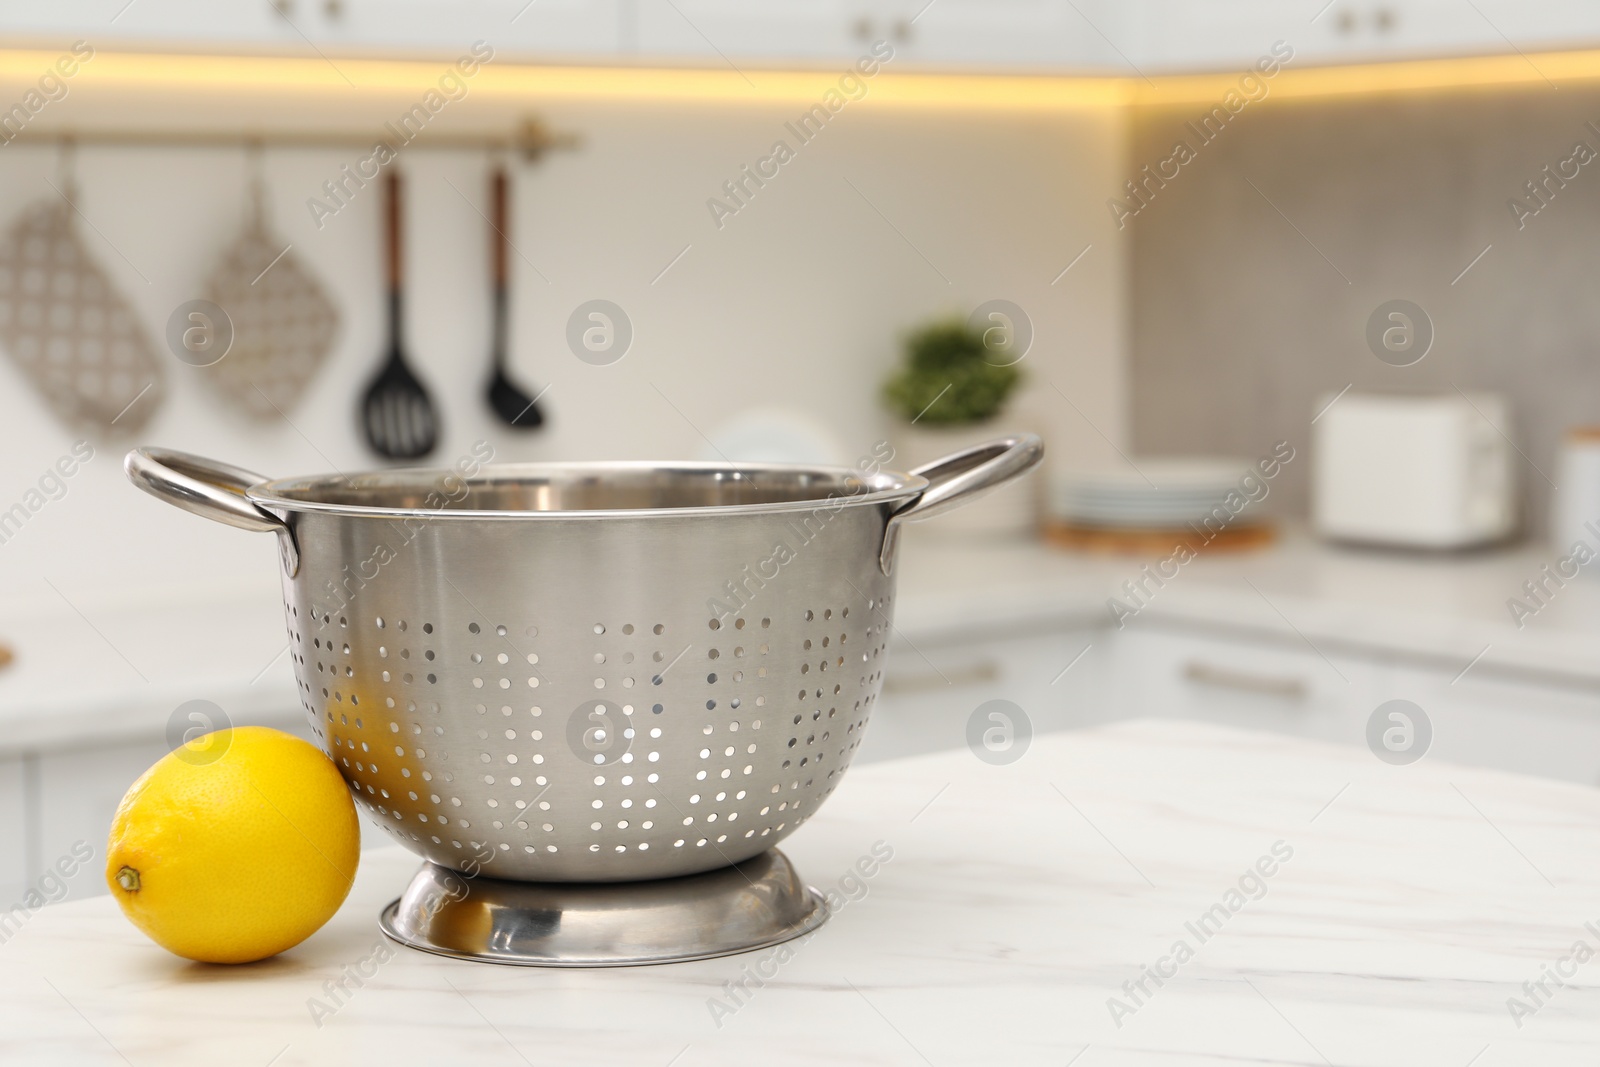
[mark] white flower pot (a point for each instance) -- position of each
(1011, 512)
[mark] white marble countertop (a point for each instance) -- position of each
(1413, 902)
(1441, 607)
(103, 671)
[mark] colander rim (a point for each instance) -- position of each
(890, 486)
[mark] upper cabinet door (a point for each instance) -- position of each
(179, 23)
(943, 34)
(1181, 35)
(1226, 34)
(758, 32)
(1544, 25)
(1096, 36)
(1356, 30)
(513, 28)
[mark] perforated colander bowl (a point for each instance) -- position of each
(588, 672)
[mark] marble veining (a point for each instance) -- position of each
(1418, 901)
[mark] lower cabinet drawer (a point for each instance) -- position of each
(1514, 724)
(1478, 718)
(78, 794)
(13, 833)
(1253, 684)
(933, 690)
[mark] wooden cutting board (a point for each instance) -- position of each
(1144, 541)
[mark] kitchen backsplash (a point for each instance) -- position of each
(798, 299)
(1254, 270)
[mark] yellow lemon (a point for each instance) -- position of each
(235, 846)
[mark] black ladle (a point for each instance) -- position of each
(396, 413)
(514, 406)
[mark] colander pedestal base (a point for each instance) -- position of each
(751, 905)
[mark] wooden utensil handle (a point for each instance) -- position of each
(392, 228)
(497, 200)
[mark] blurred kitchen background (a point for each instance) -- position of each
(1331, 308)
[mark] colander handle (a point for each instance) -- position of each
(209, 489)
(960, 478)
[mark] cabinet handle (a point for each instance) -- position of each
(1245, 681)
(985, 671)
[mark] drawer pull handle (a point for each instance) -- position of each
(1227, 678)
(986, 671)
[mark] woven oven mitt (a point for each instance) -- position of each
(284, 323)
(68, 328)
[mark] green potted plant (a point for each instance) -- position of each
(948, 378)
(952, 391)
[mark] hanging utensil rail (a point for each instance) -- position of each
(531, 139)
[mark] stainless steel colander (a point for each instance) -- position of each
(588, 672)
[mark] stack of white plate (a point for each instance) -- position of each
(1152, 494)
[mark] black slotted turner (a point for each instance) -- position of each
(396, 413)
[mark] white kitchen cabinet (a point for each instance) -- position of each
(176, 22)
(1257, 682)
(1550, 23)
(728, 32)
(1179, 35)
(1088, 35)
(1486, 719)
(932, 688)
(13, 832)
(78, 794)
(1253, 682)
(514, 28)
(985, 34)
(1095, 36)
(1353, 30)
(1231, 34)
(1358, 30)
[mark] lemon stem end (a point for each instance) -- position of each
(128, 879)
